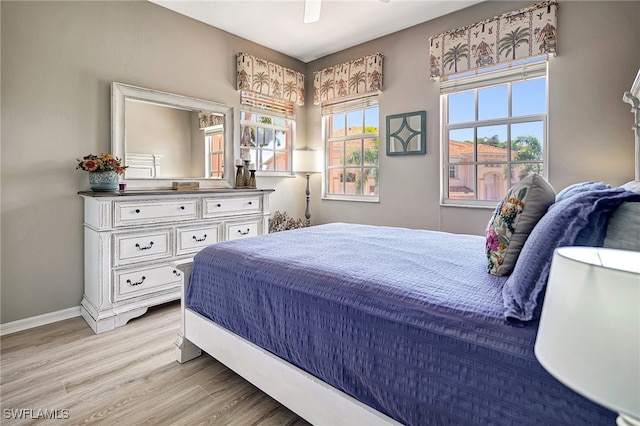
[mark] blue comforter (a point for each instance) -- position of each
(406, 321)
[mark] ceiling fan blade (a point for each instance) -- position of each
(312, 11)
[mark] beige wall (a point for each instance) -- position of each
(58, 61)
(590, 137)
(59, 58)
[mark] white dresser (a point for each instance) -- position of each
(132, 239)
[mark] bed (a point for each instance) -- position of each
(408, 328)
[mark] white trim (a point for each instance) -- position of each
(499, 74)
(38, 320)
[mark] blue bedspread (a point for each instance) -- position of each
(406, 321)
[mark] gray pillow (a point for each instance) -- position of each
(623, 229)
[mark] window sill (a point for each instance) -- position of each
(469, 204)
(275, 174)
(361, 199)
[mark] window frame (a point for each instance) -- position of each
(290, 130)
(505, 74)
(344, 107)
(258, 104)
(211, 132)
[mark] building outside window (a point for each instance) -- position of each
(494, 132)
(351, 133)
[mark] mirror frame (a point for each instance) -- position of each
(397, 123)
(121, 92)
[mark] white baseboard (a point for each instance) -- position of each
(38, 320)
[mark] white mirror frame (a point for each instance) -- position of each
(120, 92)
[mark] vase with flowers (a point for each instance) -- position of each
(103, 171)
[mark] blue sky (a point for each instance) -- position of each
(528, 98)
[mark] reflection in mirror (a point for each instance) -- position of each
(165, 137)
(406, 133)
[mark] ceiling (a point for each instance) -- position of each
(278, 24)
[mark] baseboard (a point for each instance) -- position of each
(38, 320)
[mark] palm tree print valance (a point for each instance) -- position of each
(517, 35)
(209, 119)
(361, 76)
(264, 77)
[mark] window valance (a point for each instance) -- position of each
(266, 78)
(356, 77)
(209, 119)
(517, 35)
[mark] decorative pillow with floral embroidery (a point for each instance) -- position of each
(512, 222)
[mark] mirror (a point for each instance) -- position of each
(163, 137)
(406, 133)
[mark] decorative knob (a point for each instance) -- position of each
(250, 203)
(137, 210)
(218, 205)
(181, 207)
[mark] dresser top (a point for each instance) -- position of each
(153, 192)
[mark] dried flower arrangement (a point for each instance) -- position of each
(282, 222)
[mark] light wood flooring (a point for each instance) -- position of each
(126, 376)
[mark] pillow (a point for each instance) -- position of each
(513, 220)
(578, 188)
(623, 229)
(633, 186)
(577, 220)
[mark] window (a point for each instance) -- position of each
(266, 129)
(494, 132)
(214, 140)
(351, 149)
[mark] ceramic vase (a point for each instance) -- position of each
(103, 181)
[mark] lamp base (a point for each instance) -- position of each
(625, 420)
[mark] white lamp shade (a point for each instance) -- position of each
(589, 332)
(307, 161)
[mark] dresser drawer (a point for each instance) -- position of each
(194, 239)
(222, 206)
(141, 246)
(146, 280)
(160, 211)
(243, 229)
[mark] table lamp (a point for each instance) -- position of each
(307, 161)
(589, 332)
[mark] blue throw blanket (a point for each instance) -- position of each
(578, 218)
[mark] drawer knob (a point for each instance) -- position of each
(218, 205)
(181, 207)
(137, 210)
(200, 239)
(250, 202)
(137, 283)
(177, 274)
(139, 247)
(245, 232)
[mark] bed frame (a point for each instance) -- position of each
(299, 391)
(633, 97)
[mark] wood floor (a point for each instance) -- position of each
(126, 376)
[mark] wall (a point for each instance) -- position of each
(162, 131)
(589, 133)
(58, 61)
